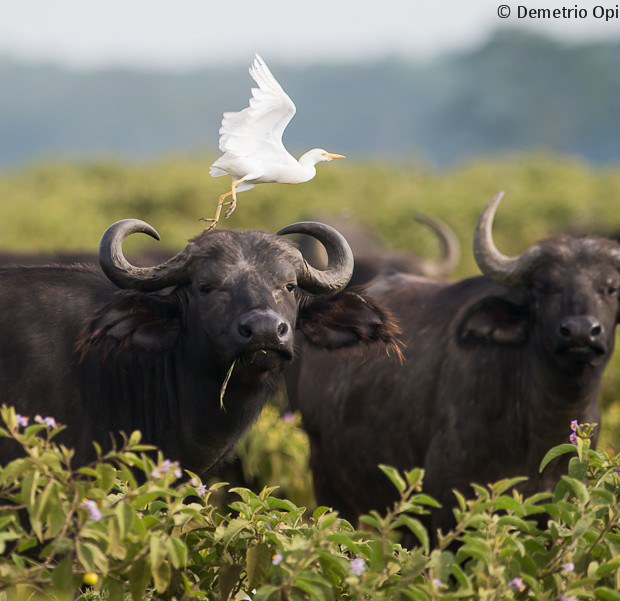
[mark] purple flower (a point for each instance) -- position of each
(568, 598)
(569, 566)
(358, 566)
(21, 420)
(618, 471)
(95, 512)
(165, 466)
(47, 421)
(573, 438)
(574, 425)
(516, 584)
(201, 489)
(276, 559)
(288, 417)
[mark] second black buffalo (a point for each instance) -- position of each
(497, 367)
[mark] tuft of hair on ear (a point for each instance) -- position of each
(130, 320)
(349, 319)
(390, 334)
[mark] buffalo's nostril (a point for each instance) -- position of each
(245, 330)
(565, 331)
(282, 330)
(596, 330)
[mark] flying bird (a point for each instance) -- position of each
(251, 141)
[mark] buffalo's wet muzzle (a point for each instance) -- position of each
(262, 331)
(581, 337)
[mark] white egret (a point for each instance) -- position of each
(251, 141)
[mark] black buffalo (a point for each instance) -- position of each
(496, 369)
(150, 348)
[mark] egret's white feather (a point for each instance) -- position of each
(261, 125)
(251, 141)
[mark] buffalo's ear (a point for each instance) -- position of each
(495, 320)
(346, 319)
(148, 322)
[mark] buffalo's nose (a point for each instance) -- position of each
(581, 330)
(263, 328)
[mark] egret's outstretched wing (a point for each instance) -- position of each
(261, 125)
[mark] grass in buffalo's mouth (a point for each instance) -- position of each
(225, 384)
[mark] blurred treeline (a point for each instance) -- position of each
(67, 206)
(518, 91)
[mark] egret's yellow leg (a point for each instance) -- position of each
(233, 202)
(221, 203)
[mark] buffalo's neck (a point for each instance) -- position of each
(176, 401)
(556, 399)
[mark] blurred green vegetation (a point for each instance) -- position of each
(68, 206)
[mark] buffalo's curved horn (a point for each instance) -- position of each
(339, 258)
(450, 248)
(125, 275)
(508, 271)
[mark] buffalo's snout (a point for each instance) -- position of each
(581, 330)
(263, 330)
(581, 334)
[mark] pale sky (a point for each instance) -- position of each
(190, 33)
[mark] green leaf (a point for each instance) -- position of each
(606, 568)
(371, 521)
(139, 577)
(578, 487)
(577, 468)
(417, 528)
(392, 473)
(501, 486)
(161, 576)
(265, 593)
(514, 522)
(116, 591)
(234, 528)
(177, 552)
(315, 586)
(91, 557)
(106, 475)
(607, 594)
(124, 517)
(228, 578)
(258, 560)
(64, 583)
(556, 452)
(423, 499)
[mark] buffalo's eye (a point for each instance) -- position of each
(612, 290)
(205, 289)
(290, 287)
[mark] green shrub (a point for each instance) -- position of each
(129, 526)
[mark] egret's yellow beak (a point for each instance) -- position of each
(329, 155)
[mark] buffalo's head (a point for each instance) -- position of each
(570, 294)
(235, 296)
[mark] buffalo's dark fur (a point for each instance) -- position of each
(102, 360)
(493, 378)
